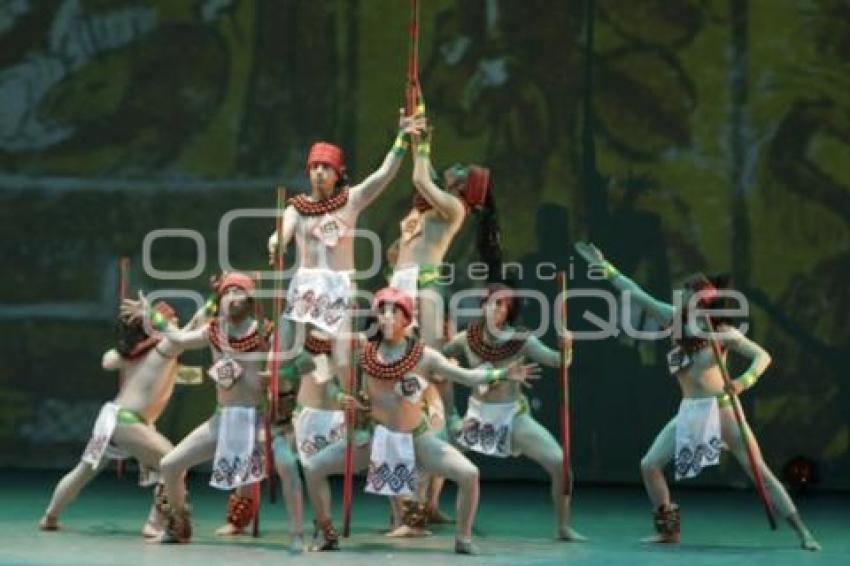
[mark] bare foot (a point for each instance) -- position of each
(296, 546)
(229, 530)
(570, 535)
(808, 542)
(408, 532)
(466, 547)
(150, 530)
(49, 523)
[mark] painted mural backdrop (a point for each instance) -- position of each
(696, 135)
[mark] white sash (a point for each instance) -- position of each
(697, 436)
(319, 297)
(392, 463)
(98, 445)
(239, 459)
(316, 429)
(487, 427)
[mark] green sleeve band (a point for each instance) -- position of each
(424, 149)
(748, 379)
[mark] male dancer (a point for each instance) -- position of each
(230, 437)
(705, 421)
(397, 371)
(124, 426)
(498, 421)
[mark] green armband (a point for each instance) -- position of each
(339, 397)
(611, 272)
(748, 379)
(400, 145)
(496, 375)
(423, 149)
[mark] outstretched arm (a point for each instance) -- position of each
(437, 364)
(537, 351)
(446, 204)
(661, 311)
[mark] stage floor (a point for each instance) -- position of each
(513, 527)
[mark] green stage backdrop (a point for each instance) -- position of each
(681, 136)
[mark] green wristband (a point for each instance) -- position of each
(748, 379)
(158, 321)
(400, 145)
(611, 272)
(496, 375)
(210, 307)
(424, 149)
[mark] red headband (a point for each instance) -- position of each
(397, 297)
(327, 153)
(477, 186)
(236, 279)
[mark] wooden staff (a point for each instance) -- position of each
(256, 490)
(758, 480)
(350, 423)
(413, 90)
(564, 375)
(274, 360)
(123, 293)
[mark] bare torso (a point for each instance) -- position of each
(147, 385)
(327, 241)
(425, 237)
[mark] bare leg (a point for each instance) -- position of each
(66, 491)
(286, 464)
(197, 447)
(778, 495)
(148, 446)
(440, 458)
(329, 461)
(652, 465)
(539, 445)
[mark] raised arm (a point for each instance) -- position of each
(735, 341)
(437, 364)
(661, 311)
(447, 205)
(363, 194)
(290, 219)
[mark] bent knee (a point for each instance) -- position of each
(648, 465)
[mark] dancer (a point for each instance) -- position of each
(397, 370)
(498, 421)
(705, 421)
(231, 436)
(125, 426)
